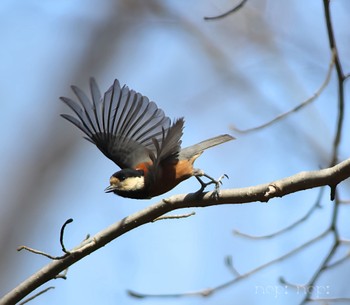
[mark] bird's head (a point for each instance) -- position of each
(127, 183)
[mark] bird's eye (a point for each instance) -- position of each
(122, 177)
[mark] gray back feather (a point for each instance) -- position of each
(191, 151)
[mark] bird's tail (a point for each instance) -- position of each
(197, 149)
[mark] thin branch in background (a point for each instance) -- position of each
(40, 253)
(332, 229)
(299, 287)
(208, 291)
(298, 107)
(329, 300)
(179, 216)
(339, 261)
(291, 226)
(231, 11)
(283, 281)
(202, 293)
(36, 295)
(341, 80)
(229, 264)
(323, 265)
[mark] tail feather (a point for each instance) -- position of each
(191, 151)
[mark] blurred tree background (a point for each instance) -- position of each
(242, 70)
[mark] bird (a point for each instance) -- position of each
(140, 139)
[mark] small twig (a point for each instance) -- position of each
(70, 220)
(62, 275)
(338, 262)
(288, 228)
(203, 293)
(283, 281)
(231, 267)
(40, 252)
(46, 254)
(231, 11)
(36, 295)
(179, 216)
(298, 107)
(323, 265)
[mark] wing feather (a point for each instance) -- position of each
(170, 145)
(127, 127)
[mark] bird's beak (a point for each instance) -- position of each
(109, 189)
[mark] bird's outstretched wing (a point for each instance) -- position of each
(123, 124)
(169, 146)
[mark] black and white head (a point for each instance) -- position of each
(127, 183)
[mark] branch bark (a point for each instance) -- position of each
(305, 180)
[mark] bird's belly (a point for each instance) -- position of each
(170, 176)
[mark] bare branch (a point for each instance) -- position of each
(283, 281)
(302, 181)
(339, 261)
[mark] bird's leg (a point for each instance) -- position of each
(199, 173)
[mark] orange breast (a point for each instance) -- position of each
(168, 176)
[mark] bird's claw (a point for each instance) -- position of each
(217, 182)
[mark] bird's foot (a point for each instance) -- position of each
(217, 182)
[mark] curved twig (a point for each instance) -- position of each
(289, 227)
(231, 11)
(70, 220)
(298, 107)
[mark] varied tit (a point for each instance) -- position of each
(137, 136)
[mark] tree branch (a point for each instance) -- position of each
(299, 106)
(264, 192)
